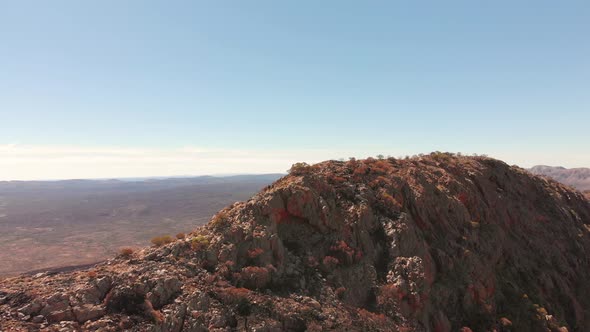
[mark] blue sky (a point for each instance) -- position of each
(277, 82)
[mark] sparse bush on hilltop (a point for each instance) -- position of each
(126, 252)
(300, 169)
(162, 240)
(360, 170)
(219, 219)
(199, 242)
(382, 166)
(441, 156)
(180, 236)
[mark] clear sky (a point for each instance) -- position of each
(136, 88)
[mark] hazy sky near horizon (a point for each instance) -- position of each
(147, 88)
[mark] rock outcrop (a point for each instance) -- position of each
(437, 243)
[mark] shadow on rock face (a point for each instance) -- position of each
(125, 300)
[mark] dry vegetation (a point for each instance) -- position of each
(162, 240)
(126, 252)
(199, 242)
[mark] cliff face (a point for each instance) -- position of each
(439, 243)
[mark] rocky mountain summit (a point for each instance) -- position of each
(437, 243)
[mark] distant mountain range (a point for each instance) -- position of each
(578, 178)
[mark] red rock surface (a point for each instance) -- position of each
(437, 243)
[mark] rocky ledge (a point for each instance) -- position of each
(436, 243)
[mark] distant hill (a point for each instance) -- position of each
(46, 224)
(578, 178)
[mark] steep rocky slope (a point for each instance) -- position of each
(438, 243)
(578, 178)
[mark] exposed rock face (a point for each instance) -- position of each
(439, 243)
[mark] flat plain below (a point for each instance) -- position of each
(56, 224)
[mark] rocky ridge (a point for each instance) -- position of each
(437, 243)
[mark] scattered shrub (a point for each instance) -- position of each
(334, 179)
(255, 277)
(126, 252)
(389, 294)
(380, 320)
(389, 202)
(441, 156)
(238, 297)
(199, 242)
(162, 240)
(233, 295)
(382, 166)
(380, 181)
(361, 169)
(352, 164)
(300, 169)
(91, 274)
(180, 236)
(219, 219)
